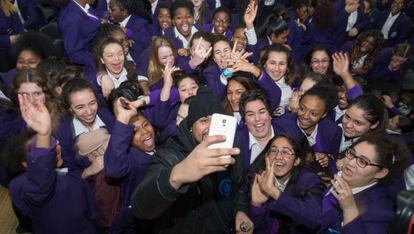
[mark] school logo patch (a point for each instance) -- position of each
(225, 187)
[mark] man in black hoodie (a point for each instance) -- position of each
(189, 188)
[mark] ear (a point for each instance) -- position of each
(374, 125)
(382, 173)
(102, 61)
(297, 162)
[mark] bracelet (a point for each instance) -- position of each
(227, 73)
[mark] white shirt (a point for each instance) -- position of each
(312, 137)
(360, 62)
(237, 115)
(281, 185)
(218, 3)
(387, 25)
(18, 11)
(255, 147)
(354, 190)
(345, 143)
(338, 113)
(122, 77)
(251, 36)
(182, 38)
(286, 93)
(85, 9)
(2, 95)
(154, 6)
(352, 19)
(409, 177)
(80, 128)
(125, 21)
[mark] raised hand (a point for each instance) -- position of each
(340, 63)
(343, 193)
(250, 14)
(36, 116)
(294, 102)
(167, 73)
(124, 110)
(258, 197)
(107, 85)
(202, 161)
(200, 54)
(267, 179)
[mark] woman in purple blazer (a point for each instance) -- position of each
(129, 152)
(78, 27)
(281, 196)
(10, 28)
(84, 115)
(44, 194)
(357, 202)
(220, 23)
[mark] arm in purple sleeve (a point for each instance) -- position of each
(270, 89)
(354, 92)
(116, 160)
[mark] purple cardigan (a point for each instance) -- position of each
(55, 203)
(376, 212)
(300, 205)
(78, 31)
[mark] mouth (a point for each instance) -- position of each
(185, 28)
(347, 171)
(164, 25)
(117, 67)
(149, 141)
(279, 165)
(260, 127)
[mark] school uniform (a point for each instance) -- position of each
(375, 207)
(137, 31)
(269, 88)
(215, 81)
(210, 28)
(56, 203)
(100, 9)
(66, 135)
(9, 25)
(178, 39)
(246, 144)
(394, 33)
(7, 79)
(126, 163)
(298, 209)
(78, 28)
(31, 16)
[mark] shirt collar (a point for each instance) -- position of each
(253, 141)
(312, 137)
(281, 82)
(281, 185)
(354, 190)
(85, 9)
(182, 38)
(154, 6)
(122, 77)
(80, 128)
(125, 21)
(394, 16)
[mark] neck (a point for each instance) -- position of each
(309, 130)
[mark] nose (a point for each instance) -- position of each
(233, 97)
(257, 117)
(88, 111)
(306, 115)
(190, 93)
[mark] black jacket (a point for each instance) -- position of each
(205, 206)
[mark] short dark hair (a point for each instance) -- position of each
(72, 86)
(221, 9)
(252, 95)
(325, 92)
(181, 4)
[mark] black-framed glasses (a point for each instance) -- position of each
(283, 152)
(360, 161)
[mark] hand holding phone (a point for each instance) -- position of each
(223, 125)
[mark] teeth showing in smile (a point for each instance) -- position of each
(185, 27)
(279, 164)
(148, 141)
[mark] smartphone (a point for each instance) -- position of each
(223, 125)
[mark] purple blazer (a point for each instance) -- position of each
(55, 203)
(67, 140)
(9, 25)
(78, 31)
(376, 212)
(242, 134)
(380, 70)
(298, 209)
(399, 31)
(10, 122)
(328, 137)
(209, 28)
(7, 79)
(100, 9)
(270, 89)
(32, 16)
(212, 77)
(137, 30)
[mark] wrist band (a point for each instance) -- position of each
(227, 73)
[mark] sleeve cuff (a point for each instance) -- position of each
(166, 190)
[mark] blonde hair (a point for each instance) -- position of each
(7, 7)
(155, 68)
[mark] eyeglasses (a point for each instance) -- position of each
(284, 153)
(323, 61)
(360, 161)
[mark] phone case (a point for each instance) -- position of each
(223, 125)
